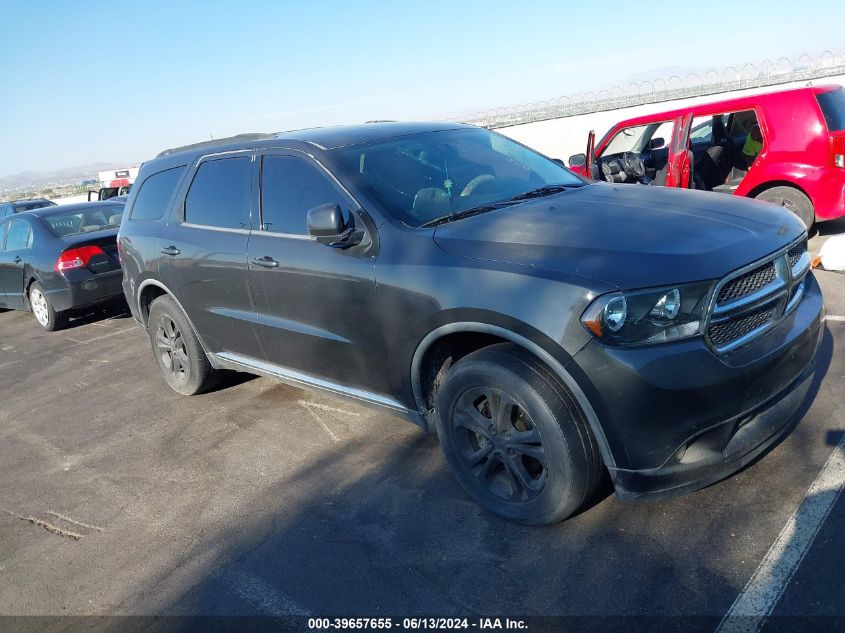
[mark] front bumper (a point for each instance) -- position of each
(83, 293)
(677, 417)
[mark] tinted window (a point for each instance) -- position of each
(29, 206)
(289, 188)
(219, 194)
(833, 108)
(85, 220)
(19, 236)
(154, 197)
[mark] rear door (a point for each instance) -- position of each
(315, 303)
(204, 248)
(17, 250)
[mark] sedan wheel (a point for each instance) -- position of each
(39, 307)
(43, 312)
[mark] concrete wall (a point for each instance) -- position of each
(560, 138)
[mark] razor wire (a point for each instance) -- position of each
(769, 72)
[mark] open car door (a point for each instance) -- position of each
(680, 155)
(590, 166)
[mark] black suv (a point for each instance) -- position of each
(548, 328)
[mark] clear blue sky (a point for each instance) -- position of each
(175, 72)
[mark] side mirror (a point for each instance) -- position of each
(578, 160)
(559, 162)
(327, 225)
(657, 143)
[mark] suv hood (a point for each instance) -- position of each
(630, 236)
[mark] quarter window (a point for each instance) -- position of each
(155, 194)
(19, 236)
(219, 194)
(289, 188)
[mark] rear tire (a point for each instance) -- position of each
(43, 310)
(177, 349)
(792, 199)
(515, 438)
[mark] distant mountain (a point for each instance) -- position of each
(39, 179)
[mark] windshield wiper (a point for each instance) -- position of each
(457, 215)
(539, 192)
(546, 190)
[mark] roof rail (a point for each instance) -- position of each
(252, 136)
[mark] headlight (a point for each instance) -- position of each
(648, 316)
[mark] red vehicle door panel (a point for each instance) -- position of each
(680, 162)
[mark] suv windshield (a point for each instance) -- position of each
(832, 104)
(29, 206)
(423, 177)
(83, 220)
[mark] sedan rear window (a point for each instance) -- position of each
(832, 104)
(83, 220)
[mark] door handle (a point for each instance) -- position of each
(170, 250)
(18, 259)
(265, 262)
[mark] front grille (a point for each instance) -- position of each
(747, 284)
(757, 296)
(795, 253)
(722, 334)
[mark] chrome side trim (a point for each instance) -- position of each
(300, 379)
(208, 227)
(530, 346)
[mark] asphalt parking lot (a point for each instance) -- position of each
(117, 496)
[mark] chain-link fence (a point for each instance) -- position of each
(765, 73)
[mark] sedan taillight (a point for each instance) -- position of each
(77, 257)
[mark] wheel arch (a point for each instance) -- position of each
(495, 334)
(148, 291)
(770, 184)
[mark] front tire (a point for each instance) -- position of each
(793, 200)
(177, 349)
(515, 438)
(43, 310)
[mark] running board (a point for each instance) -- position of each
(238, 362)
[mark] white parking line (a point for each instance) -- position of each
(831, 317)
(97, 338)
(759, 597)
(258, 593)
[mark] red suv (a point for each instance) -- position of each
(784, 147)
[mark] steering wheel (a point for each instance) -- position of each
(472, 184)
(633, 165)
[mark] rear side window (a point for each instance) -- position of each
(219, 194)
(19, 236)
(833, 109)
(156, 192)
(289, 188)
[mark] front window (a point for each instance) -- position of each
(423, 177)
(640, 138)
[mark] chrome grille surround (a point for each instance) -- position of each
(750, 301)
